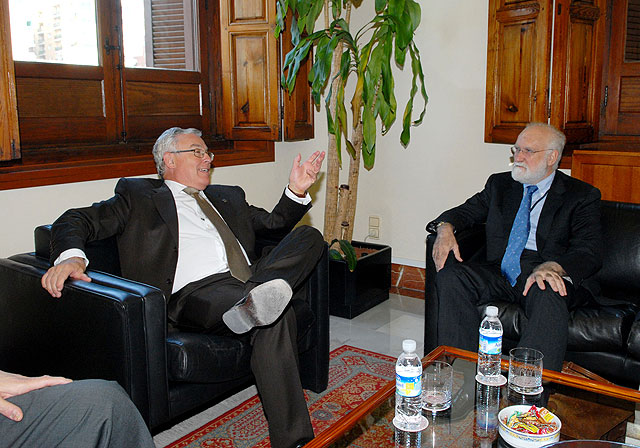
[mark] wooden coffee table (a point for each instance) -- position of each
(588, 408)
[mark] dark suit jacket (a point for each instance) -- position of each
(143, 217)
(568, 230)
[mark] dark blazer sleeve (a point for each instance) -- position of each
(77, 227)
(248, 221)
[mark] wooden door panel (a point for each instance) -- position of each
(250, 76)
(248, 11)
(577, 50)
(251, 80)
(622, 73)
(41, 98)
(298, 119)
(150, 99)
(518, 60)
(615, 173)
(61, 103)
(9, 135)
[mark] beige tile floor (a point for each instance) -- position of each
(381, 330)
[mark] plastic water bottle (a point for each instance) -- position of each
(490, 348)
(485, 429)
(408, 388)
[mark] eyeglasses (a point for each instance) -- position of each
(526, 151)
(199, 152)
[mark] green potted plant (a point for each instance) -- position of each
(366, 58)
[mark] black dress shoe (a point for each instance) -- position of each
(262, 306)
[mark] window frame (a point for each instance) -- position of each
(67, 151)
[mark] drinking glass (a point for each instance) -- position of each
(437, 382)
(525, 370)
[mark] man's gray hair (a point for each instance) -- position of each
(167, 143)
(557, 138)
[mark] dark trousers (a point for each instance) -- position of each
(463, 287)
(87, 413)
(274, 360)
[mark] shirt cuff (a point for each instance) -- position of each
(70, 253)
(304, 201)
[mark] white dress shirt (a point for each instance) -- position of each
(537, 202)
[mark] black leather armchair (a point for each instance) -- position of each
(604, 337)
(116, 329)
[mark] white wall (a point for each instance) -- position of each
(445, 163)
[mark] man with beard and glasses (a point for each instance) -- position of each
(543, 242)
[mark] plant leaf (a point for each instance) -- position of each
(349, 254)
(380, 5)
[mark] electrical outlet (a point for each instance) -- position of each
(374, 227)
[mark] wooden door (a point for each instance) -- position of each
(518, 64)
(250, 87)
(9, 136)
(297, 107)
(578, 38)
(622, 73)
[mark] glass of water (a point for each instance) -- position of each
(525, 370)
(437, 382)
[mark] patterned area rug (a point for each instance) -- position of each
(354, 375)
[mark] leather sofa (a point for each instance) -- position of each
(116, 329)
(604, 335)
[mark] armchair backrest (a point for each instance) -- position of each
(620, 270)
(103, 254)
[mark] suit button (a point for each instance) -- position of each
(169, 281)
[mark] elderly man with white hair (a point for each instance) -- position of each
(543, 243)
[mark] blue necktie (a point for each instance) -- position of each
(517, 238)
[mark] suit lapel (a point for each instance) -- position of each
(512, 201)
(549, 209)
(224, 207)
(166, 207)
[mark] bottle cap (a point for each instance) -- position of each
(409, 345)
(491, 311)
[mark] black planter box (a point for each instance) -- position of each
(351, 293)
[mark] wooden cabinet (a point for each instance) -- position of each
(615, 173)
(621, 79)
(9, 137)
(253, 103)
(524, 82)
(250, 73)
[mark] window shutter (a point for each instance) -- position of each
(171, 44)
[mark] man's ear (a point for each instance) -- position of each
(553, 158)
(169, 160)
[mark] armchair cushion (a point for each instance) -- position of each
(209, 358)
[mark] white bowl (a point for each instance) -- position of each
(523, 440)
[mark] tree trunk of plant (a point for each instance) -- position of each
(354, 176)
(333, 163)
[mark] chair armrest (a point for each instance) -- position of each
(109, 328)
(314, 363)
(472, 245)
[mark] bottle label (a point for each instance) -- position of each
(409, 386)
(491, 345)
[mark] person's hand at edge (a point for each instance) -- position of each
(53, 280)
(12, 384)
